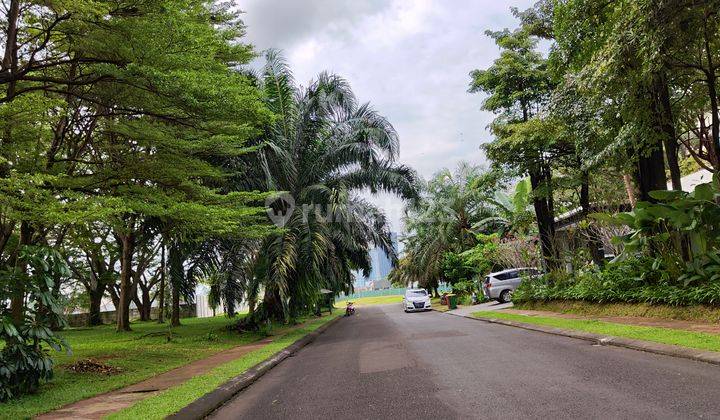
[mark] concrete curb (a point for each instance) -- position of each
(209, 402)
(607, 340)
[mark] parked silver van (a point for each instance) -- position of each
(500, 285)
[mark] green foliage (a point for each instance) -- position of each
(323, 148)
(515, 215)
(24, 358)
(676, 215)
(482, 258)
(465, 289)
(517, 80)
(119, 121)
(702, 270)
(635, 280)
(454, 269)
(462, 270)
(442, 225)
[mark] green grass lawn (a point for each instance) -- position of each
(138, 355)
(696, 340)
(437, 306)
(173, 399)
(371, 300)
(699, 313)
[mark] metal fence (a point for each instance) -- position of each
(384, 292)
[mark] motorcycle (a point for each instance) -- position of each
(349, 309)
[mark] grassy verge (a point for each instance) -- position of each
(139, 354)
(371, 300)
(437, 306)
(696, 340)
(698, 313)
(173, 399)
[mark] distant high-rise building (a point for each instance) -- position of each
(381, 266)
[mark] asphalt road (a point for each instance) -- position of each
(385, 363)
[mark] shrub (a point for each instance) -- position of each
(636, 280)
(464, 288)
(24, 361)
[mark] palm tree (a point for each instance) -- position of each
(323, 149)
(442, 221)
(514, 212)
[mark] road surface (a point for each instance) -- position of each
(384, 363)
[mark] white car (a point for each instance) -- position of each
(416, 300)
(501, 285)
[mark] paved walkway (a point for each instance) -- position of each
(100, 406)
(384, 363)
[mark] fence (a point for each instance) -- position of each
(384, 292)
(108, 317)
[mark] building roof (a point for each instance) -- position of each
(688, 182)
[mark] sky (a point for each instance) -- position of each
(409, 58)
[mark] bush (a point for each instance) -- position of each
(24, 361)
(466, 287)
(636, 280)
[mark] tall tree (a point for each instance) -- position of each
(323, 149)
(518, 85)
(444, 221)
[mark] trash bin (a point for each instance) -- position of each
(452, 301)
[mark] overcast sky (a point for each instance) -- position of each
(409, 58)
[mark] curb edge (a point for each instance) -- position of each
(211, 401)
(705, 356)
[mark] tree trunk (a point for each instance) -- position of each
(664, 118)
(175, 317)
(145, 302)
(127, 243)
(251, 305)
(629, 189)
(114, 296)
(17, 301)
(10, 61)
(545, 220)
(651, 172)
(177, 274)
(55, 324)
(96, 296)
(594, 243)
(161, 300)
(272, 303)
(712, 83)
(715, 115)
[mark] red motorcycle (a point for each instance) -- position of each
(349, 309)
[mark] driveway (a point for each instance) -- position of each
(385, 363)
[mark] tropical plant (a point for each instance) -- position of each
(323, 149)
(515, 215)
(518, 85)
(441, 223)
(676, 215)
(24, 359)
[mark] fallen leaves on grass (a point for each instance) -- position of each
(93, 366)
